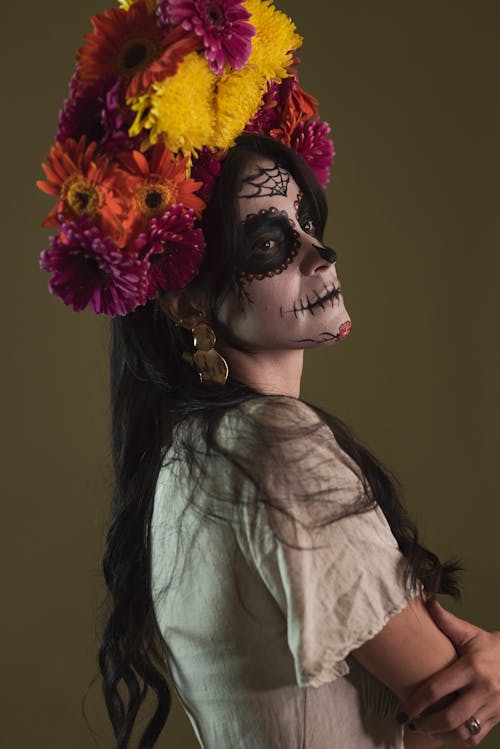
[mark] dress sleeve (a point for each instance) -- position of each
(347, 580)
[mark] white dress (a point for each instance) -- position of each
(258, 633)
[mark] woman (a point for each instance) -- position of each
(256, 547)
(267, 645)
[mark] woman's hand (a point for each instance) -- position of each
(474, 677)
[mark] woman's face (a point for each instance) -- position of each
(290, 293)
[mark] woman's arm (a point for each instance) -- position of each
(473, 680)
(407, 651)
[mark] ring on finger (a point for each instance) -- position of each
(473, 725)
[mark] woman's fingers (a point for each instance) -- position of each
(461, 736)
(468, 687)
(453, 717)
(448, 682)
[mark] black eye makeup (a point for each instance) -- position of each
(270, 243)
(310, 224)
(306, 216)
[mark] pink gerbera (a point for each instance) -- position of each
(223, 26)
(173, 248)
(88, 269)
(310, 139)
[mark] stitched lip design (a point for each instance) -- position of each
(331, 293)
(334, 291)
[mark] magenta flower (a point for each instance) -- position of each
(81, 112)
(310, 139)
(173, 248)
(116, 118)
(223, 26)
(163, 15)
(270, 112)
(88, 269)
(206, 169)
(98, 110)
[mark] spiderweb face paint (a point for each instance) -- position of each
(266, 183)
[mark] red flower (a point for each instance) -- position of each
(284, 106)
(130, 43)
(298, 106)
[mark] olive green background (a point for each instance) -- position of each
(411, 92)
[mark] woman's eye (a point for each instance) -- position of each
(308, 226)
(265, 245)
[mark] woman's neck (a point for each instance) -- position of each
(272, 372)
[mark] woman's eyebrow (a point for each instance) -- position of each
(254, 222)
(304, 206)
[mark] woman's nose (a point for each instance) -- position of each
(316, 257)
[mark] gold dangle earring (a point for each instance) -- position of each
(211, 366)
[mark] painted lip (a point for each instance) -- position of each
(332, 292)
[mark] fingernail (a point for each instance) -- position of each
(412, 726)
(401, 717)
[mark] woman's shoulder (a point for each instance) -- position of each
(277, 429)
(271, 432)
(298, 459)
(274, 411)
(266, 422)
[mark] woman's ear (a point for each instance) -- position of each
(186, 308)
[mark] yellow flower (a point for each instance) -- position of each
(196, 108)
(185, 105)
(179, 109)
(145, 118)
(239, 96)
(127, 4)
(274, 41)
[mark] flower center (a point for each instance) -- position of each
(137, 54)
(154, 199)
(216, 14)
(94, 270)
(83, 197)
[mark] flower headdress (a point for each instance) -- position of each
(162, 89)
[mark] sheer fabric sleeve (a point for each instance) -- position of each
(344, 584)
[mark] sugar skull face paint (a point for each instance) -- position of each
(287, 293)
(266, 182)
(271, 242)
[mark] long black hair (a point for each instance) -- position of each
(154, 388)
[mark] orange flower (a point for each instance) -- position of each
(300, 106)
(159, 182)
(86, 184)
(130, 44)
